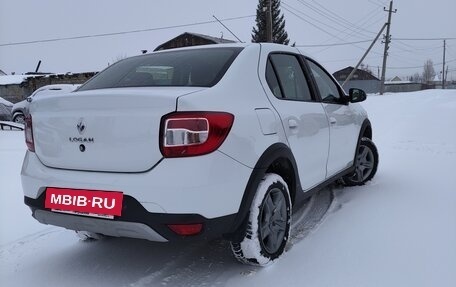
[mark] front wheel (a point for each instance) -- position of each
(268, 227)
(366, 163)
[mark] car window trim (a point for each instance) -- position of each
(340, 101)
(311, 80)
(297, 56)
(268, 60)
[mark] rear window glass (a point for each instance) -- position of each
(198, 67)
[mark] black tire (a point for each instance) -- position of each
(269, 222)
(19, 118)
(366, 163)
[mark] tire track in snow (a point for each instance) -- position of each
(206, 262)
(310, 215)
(202, 266)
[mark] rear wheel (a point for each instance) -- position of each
(366, 163)
(269, 223)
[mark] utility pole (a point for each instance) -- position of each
(443, 68)
(269, 22)
(364, 56)
(387, 41)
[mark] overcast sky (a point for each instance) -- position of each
(33, 20)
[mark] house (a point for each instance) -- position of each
(191, 39)
(397, 85)
(396, 79)
(2, 73)
(361, 79)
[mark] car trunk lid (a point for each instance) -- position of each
(110, 130)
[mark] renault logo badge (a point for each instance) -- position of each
(81, 126)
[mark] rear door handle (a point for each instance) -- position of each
(332, 121)
(292, 124)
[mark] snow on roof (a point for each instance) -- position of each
(12, 79)
(398, 82)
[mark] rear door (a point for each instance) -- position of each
(342, 119)
(303, 118)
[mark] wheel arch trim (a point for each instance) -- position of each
(274, 153)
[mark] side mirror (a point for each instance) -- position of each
(356, 95)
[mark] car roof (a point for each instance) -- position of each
(230, 45)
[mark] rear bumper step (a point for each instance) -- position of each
(111, 228)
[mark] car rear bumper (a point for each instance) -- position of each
(206, 189)
(135, 222)
(212, 185)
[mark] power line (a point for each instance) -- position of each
(337, 20)
(316, 26)
(312, 18)
(377, 3)
(425, 39)
(416, 67)
(349, 60)
(362, 22)
(350, 24)
(336, 44)
(310, 23)
(121, 33)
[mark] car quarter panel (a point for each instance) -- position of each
(240, 93)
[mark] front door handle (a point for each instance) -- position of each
(332, 121)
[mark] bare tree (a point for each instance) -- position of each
(365, 68)
(118, 58)
(428, 71)
(416, 78)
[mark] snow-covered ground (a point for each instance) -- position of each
(399, 230)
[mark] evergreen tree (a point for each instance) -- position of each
(279, 35)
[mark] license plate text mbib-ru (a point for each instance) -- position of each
(84, 201)
(81, 200)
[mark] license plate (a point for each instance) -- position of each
(96, 203)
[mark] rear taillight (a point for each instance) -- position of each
(29, 133)
(193, 133)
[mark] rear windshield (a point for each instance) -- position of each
(198, 67)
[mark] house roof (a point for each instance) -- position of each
(341, 75)
(12, 79)
(2, 73)
(216, 40)
(210, 39)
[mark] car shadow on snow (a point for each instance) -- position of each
(133, 262)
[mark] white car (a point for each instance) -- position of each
(196, 143)
(19, 109)
(5, 110)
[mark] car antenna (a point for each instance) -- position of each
(227, 29)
